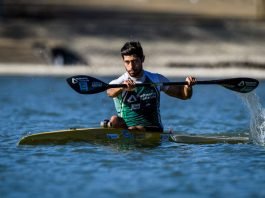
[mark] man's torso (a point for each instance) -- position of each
(140, 107)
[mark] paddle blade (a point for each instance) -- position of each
(86, 84)
(242, 85)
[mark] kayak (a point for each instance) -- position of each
(122, 136)
(93, 135)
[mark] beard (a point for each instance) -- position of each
(135, 72)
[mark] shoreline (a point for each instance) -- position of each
(174, 45)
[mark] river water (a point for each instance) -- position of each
(35, 104)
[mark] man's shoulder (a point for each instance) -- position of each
(150, 73)
(155, 77)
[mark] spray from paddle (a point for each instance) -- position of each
(257, 118)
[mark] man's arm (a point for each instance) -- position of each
(182, 92)
(114, 92)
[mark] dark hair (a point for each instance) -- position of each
(132, 48)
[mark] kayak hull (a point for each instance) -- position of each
(122, 136)
(92, 135)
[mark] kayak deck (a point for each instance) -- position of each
(122, 136)
(194, 139)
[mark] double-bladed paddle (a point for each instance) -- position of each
(89, 85)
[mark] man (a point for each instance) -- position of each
(138, 107)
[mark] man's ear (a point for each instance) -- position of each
(143, 58)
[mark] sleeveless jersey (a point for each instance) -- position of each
(140, 107)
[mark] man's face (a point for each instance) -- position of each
(133, 65)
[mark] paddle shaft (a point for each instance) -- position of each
(206, 82)
(89, 85)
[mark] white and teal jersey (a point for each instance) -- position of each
(140, 107)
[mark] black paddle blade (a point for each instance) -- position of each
(242, 85)
(86, 84)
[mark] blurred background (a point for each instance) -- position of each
(205, 38)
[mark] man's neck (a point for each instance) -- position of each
(139, 77)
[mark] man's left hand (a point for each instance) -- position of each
(191, 81)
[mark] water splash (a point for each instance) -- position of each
(257, 118)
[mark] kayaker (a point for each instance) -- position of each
(138, 107)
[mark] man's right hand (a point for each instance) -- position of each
(130, 85)
(114, 92)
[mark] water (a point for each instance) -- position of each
(257, 122)
(34, 104)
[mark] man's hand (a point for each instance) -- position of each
(130, 85)
(114, 92)
(191, 81)
(187, 91)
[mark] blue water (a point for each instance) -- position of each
(35, 104)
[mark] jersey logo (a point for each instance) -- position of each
(135, 106)
(132, 99)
